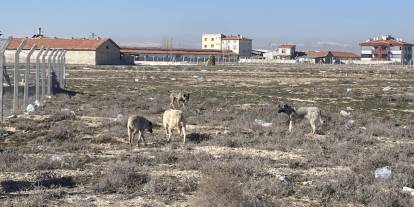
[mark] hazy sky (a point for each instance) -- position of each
(311, 24)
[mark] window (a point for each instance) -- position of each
(205, 46)
(212, 45)
(366, 56)
(212, 39)
(283, 51)
(205, 39)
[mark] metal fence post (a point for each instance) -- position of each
(3, 47)
(43, 73)
(64, 69)
(49, 72)
(27, 77)
(17, 76)
(60, 68)
(42, 49)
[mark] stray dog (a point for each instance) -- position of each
(179, 96)
(138, 124)
(174, 119)
(310, 113)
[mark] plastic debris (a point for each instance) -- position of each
(136, 80)
(349, 109)
(345, 113)
(386, 88)
(37, 103)
(263, 123)
(30, 108)
(408, 190)
(348, 90)
(4, 133)
(383, 173)
(173, 79)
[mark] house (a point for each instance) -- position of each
(387, 48)
(344, 57)
(175, 54)
(316, 57)
(283, 52)
(236, 43)
(80, 51)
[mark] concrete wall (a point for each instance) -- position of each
(72, 57)
(108, 54)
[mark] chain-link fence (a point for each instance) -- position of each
(29, 74)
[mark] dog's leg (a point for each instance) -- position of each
(312, 123)
(290, 125)
(139, 136)
(129, 135)
(143, 139)
(184, 133)
(133, 136)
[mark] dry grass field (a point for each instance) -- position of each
(74, 151)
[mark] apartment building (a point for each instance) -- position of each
(236, 43)
(387, 48)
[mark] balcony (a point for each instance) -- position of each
(380, 52)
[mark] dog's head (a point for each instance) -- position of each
(286, 109)
(186, 97)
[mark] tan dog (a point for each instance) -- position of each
(312, 114)
(138, 124)
(179, 96)
(174, 119)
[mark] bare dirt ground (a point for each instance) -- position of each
(74, 151)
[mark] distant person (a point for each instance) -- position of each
(55, 84)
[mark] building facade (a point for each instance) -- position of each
(236, 43)
(388, 49)
(211, 41)
(316, 57)
(80, 51)
(283, 52)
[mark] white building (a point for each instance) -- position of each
(387, 49)
(283, 52)
(211, 41)
(236, 43)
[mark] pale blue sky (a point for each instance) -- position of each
(311, 24)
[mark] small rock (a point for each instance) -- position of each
(173, 79)
(263, 123)
(56, 158)
(119, 117)
(349, 124)
(386, 88)
(136, 80)
(348, 90)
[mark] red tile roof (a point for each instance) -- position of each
(287, 46)
(348, 55)
(177, 51)
(389, 42)
(67, 44)
(317, 54)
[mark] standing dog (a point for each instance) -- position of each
(179, 96)
(174, 119)
(310, 113)
(138, 124)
